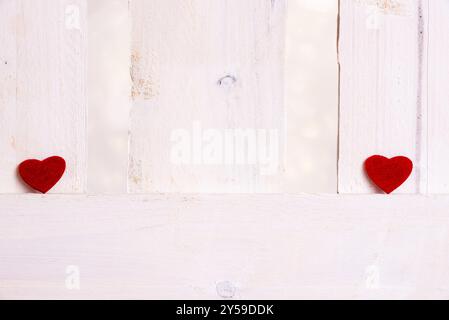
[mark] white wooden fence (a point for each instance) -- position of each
(219, 64)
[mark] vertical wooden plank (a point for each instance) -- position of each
(42, 88)
(8, 98)
(204, 73)
(382, 103)
(438, 87)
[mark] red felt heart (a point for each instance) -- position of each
(42, 175)
(388, 174)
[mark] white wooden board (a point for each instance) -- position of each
(233, 246)
(43, 88)
(383, 104)
(207, 78)
(438, 96)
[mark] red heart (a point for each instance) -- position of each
(42, 175)
(388, 174)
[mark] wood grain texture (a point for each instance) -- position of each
(438, 96)
(43, 88)
(209, 67)
(234, 246)
(383, 104)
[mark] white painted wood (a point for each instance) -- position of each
(438, 96)
(201, 69)
(383, 105)
(241, 246)
(43, 88)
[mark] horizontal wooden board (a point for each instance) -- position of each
(233, 246)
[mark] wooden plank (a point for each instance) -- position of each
(224, 246)
(383, 106)
(438, 96)
(8, 98)
(43, 88)
(207, 112)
